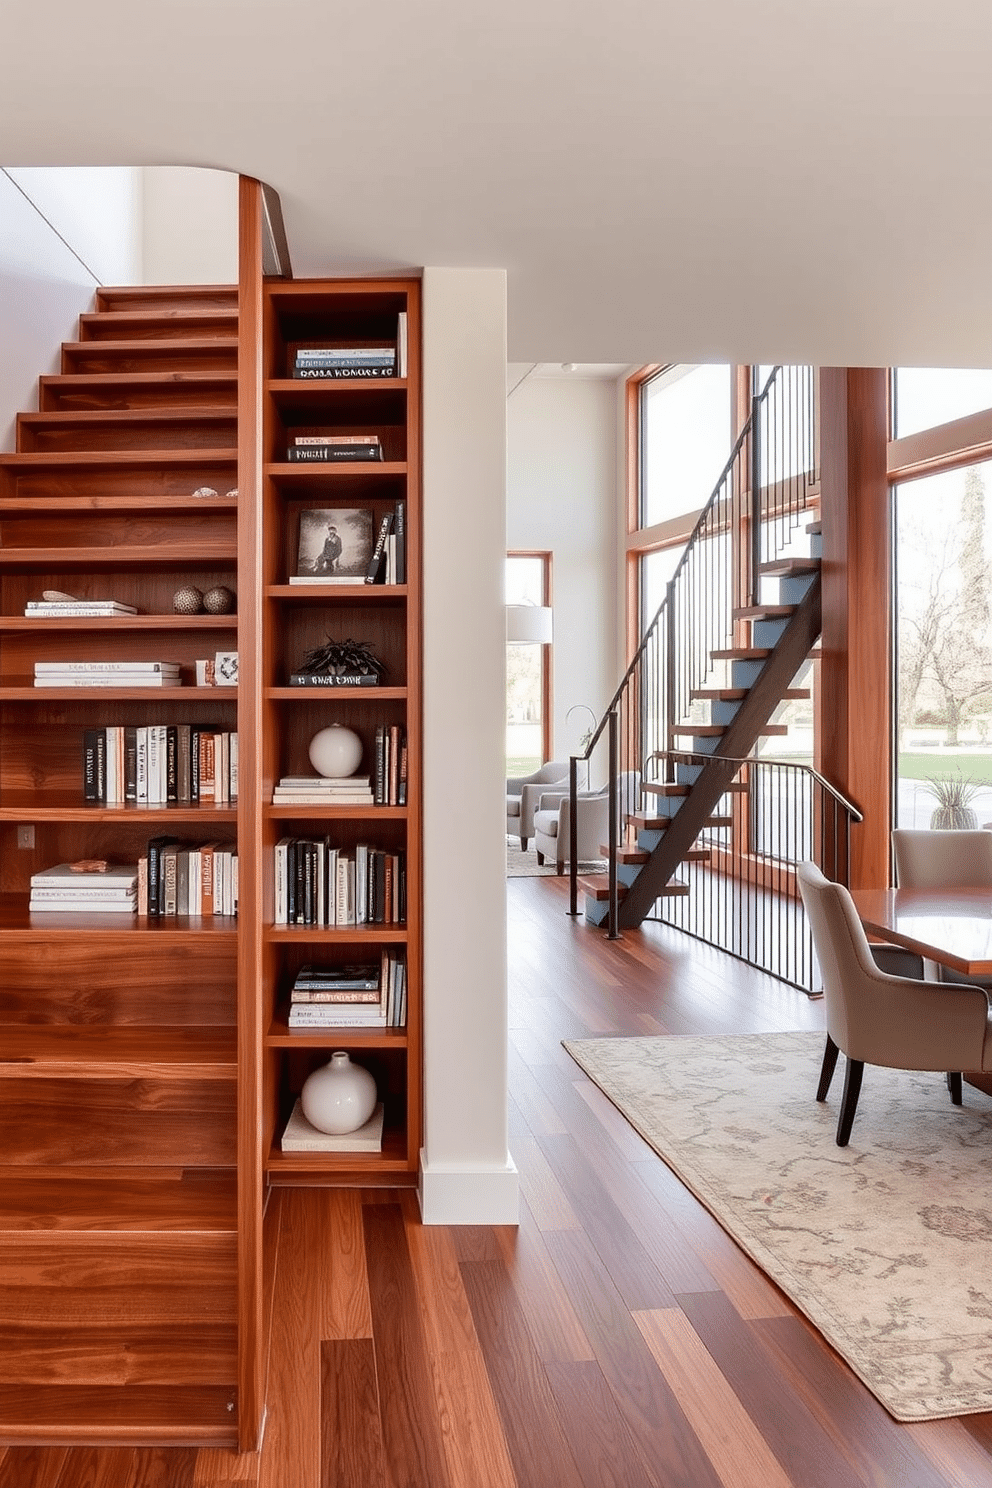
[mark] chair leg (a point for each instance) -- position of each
(852, 1089)
(523, 843)
(560, 866)
(540, 860)
(827, 1068)
(954, 1086)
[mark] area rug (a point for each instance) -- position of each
(525, 865)
(885, 1245)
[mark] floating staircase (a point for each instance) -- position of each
(740, 619)
(118, 1051)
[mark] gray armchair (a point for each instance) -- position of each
(523, 793)
(553, 827)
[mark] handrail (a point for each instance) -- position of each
(853, 811)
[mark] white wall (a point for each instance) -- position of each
(190, 226)
(562, 496)
(96, 210)
(467, 1176)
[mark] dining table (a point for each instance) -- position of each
(950, 926)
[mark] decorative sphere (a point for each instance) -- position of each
(335, 751)
(219, 600)
(339, 1097)
(188, 601)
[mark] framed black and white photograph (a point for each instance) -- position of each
(335, 545)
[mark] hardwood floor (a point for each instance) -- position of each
(618, 1337)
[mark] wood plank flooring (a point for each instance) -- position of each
(617, 1339)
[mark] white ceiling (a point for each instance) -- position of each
(761, 181)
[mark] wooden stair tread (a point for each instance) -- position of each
(742, 653)
(597, 886)
(152, 1415)
(109, 459)
(128, 346)
(626, 854)
(698, 855)
(105, 1052)
(164, 322)
(670, 788)
(137, 295)
(662, 823)
(791, 567)
(701, 730)
(110, 1201)
(765, 612)
(815, 529)
(70, 418)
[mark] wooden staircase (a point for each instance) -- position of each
(119, 1241)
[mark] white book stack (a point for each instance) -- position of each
(314, 790)
(78, 609)
(65, 889)
(107, 674)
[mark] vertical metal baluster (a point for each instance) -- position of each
(573, 865)
(614, 933)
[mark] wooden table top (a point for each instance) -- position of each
(952, 926)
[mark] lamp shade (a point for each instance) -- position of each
(530, 624)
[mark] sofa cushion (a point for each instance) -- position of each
(546, 823)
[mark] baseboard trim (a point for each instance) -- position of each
(463, 1196)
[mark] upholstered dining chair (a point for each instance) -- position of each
(523, 793)
(927, 859)
(876, 1018)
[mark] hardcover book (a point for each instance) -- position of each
(335, 544)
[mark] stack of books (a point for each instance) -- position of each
(187, 878)
(334, 362)
(65, 889)
(331, 447)
(322, 790)
(365, 996)
(319, 884)
(78, 609)
(107, 674)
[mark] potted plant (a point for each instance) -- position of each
(953, 794)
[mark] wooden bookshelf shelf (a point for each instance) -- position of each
(28, 693)
(24, 805)
(283, 811)
(170, 555)
(353, 694)
(279, 1037)
(119, 623)
(16, 918)
(344, 935)
(327, 594)
(34, 505)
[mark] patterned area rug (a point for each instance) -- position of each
(885, 1245)
(525, 865)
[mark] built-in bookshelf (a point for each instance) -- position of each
(341, 374)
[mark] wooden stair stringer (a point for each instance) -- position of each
(719, 769)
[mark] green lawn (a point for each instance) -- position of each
(517, 767)
(945, 762)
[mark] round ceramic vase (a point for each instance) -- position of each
(339, 1097)
(335, 751)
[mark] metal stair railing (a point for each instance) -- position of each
(748, 521)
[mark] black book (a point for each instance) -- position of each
(101, 764)
(378, 887)
(328, 453)
(156, 847)
(89, 765)
(130, 762)
(379, 789)
(400, 528)
(291, 895)
(377, 563)
(323, 679)
(309, 883)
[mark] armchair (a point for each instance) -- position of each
(523, 793)
(553, 827)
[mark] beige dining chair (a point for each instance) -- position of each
(943, 860)
(876, 1018)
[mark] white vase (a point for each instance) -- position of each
(339, 1097)
(335, 751)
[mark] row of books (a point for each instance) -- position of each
(346, 361)
(390, 765)
(327, 448)
(107, 674)
(322, 885)
(337, 546)
(366, 996)
(160, 764)
(77, 888)
(321, 790)
(77, 609)
(187, 878)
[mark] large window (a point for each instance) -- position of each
(528, 670)
(686, 438)
(943, 542)
(924, 397)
